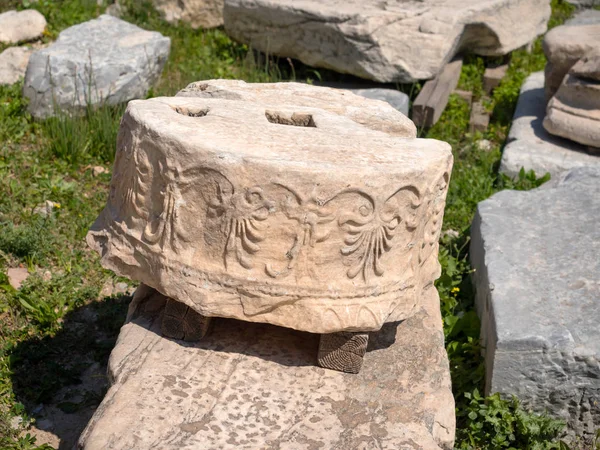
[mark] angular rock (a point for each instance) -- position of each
(250, 386)
(20, 26)
(574, 112)
(17, 276)
(398, 100)
(198, 13)
(13, 63)
(374, 115)
(283, 214)
(567, 44)
(103, 61)
(400, 41)
(530, 146)
(535, 256)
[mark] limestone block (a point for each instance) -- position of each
(13, 63)
(574, 112)
(19, 26)
(283, 214)
(255, 386)
(105, 60)
(399, 40)
(375, 115)
(566, 44)
(530, 146)
(198, 13)
(537, 277)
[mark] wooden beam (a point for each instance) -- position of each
(433, 98)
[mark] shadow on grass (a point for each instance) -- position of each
(62, 379)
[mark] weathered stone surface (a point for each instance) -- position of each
(105, 60)
(530, 146)
(385, 41)
(250, 386)
(537, 276)
(198, 13)
(13, 63)
(566, 44)
(574, 112)
(19, 26)
(398, 100)
(288, 215)
(372, 114)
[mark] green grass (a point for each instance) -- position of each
(57, 324)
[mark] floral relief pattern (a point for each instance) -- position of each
(237, 219)
(369, 233)
(242, 216)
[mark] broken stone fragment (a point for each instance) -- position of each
(574, 112)
(275, 212)
(399, 41)
(13, 63)
(21, 26)
(197, 13)
(567, 44)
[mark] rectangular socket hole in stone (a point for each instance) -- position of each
(191, 112)
(296, 119)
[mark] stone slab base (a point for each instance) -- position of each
(537, 276)
(250, 386)
(530, 146)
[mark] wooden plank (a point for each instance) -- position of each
(493, 76)
(480, 118)
(467, 96)
(433, 98)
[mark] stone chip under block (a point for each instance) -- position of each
(536, 257)
(251, 386)
(277, 213)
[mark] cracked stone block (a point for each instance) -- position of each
(102, 61)
(537, 278)
(395, 41)
(249, 386)
(530, 146)
(272, 212)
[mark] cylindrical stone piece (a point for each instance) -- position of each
(289, 215)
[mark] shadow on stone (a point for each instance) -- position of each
(61, 379)
(300, 347)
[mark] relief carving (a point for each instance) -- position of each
(242, 216)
